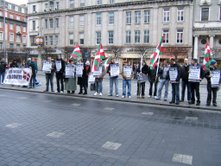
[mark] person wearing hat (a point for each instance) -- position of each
(195, 82)
(212, 84)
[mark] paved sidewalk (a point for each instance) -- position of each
(146, 100)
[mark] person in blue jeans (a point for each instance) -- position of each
(163, 74)
(2, 70)
(127, 76)
(113, 78)
(99, 82)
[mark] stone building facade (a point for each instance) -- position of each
(126, 28)
(207, 27)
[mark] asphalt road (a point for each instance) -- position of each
(48, 129)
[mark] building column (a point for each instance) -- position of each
(211, 40)
(195, 55)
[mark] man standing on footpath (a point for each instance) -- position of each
(49, 69)
(127, 76)
(185, 82)
(60, 72)
(3, 66)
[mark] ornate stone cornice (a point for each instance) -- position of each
(104, 6)
(207, 29)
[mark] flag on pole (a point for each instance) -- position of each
(100, 55)
(100, 52)
(76, 54)
(207, 57)
(107, 63)
(155, 56)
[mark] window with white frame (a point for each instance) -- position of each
(34, 8)
(9, 6)
(98, 2)
(11, 26)
(46, 6)
(205, 14)
(18, 38)
(165, 36)
(1, 45)
(81, 36)
(71, 4)
(11, 45)
(1, 24)
(1, 35)
(22, 10)
(137, 36)
(46, 23)
(146, 16)
(56, 40)
(128, 37)
(1, 14)
(111, 1)
(128, 17)
(11, 38)
(111, 17)
(46, 40)
(33, 25)
(179, 36)
(98, 18)
(137, 17)
(50, 40)
(71, 21)
(81, 20)
(98, 37)
(24, 29)
(57, 5)
(6, 14)
(146, 36)
(166, 15)
(24, 40)
(82, 3)
(71, 38)
(11, 16)
(111, 37)
(220, 13)
(51, 23)
(16, 8)
(18, 17)
(56, 22)
(180, 15)
(18, 28)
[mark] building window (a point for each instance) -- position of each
(146, 36)
(24, 29)
(18, 29)
(81, 20)
(46, 40)
(111, 17)
(146, 16)
(111, 37)
(179, 36)
(1, 25)
(24, 39)
(98, 18)
(56, 22)
(11, 37)
(18, 18)
(57, 5)
(51, 5)
(81, 35)
(46, 6)
(71, 38)
(71, 3)
(50, 40)
(111, 1)
(56, 40)
(166, 15)
(98, 37)
(11, 26)
(180, 15)
(11, 16)
(1, 35)
(34, 8)
(128, 37)
(82, 3)
(220, 13)
(11, 45)
(98, 2)
(18, 38)
(51, 22)
(46, 23)
(33, 25)
(137, 17)
(128, 17)
(205, 14)
(137, 36)
(71, 21)
(166, 36)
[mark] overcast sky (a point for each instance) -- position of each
(18, 2)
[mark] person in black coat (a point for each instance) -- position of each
(185, 82)
(141, 79)
(83, 81)
(153, 79)
(60, 72)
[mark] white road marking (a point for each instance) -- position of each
(47, 101)
(191, 118)
(55, 134)
(22, 98)
(147, 113)
(111, 145)
(76, 105)
(13, 125)
(182, 158)
(108, 109)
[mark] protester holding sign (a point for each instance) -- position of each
(2, 70)
(153, 79)
(99, 81)
(79, 73)
(114, 71)
(213, 76)
(185, 81)
(49, 69)
(141, 79)
(70, 77)
(86, 72)
(127, 74)
(196, 74)
(60, 72)
(33, 67)
(174, 75)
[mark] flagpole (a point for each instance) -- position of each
(141, 59)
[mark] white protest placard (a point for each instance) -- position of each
(127, 71)
(215, 78)
(47, 67)
(97, 72)
(91, 79)
(18, 76)
(69, 71)
(79, 70)
(141, 77)
(194, 74)
(173, 73)
(58, 65)
(114, 70)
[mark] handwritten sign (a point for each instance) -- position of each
(79, 70)
(194, 74)
(58, 65)
(215, 78)
(173, 73)
(69, 71)
(114, 70)
(47, 67)
(127, 71)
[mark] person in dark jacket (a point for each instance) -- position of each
(14, 64)
(3, 66)
(195, 83)
(185, 82)
(60, 72)
(33, 66)
(153, 79)
(212, 86)
(163, 74)
(174, 75)
(141, 79)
